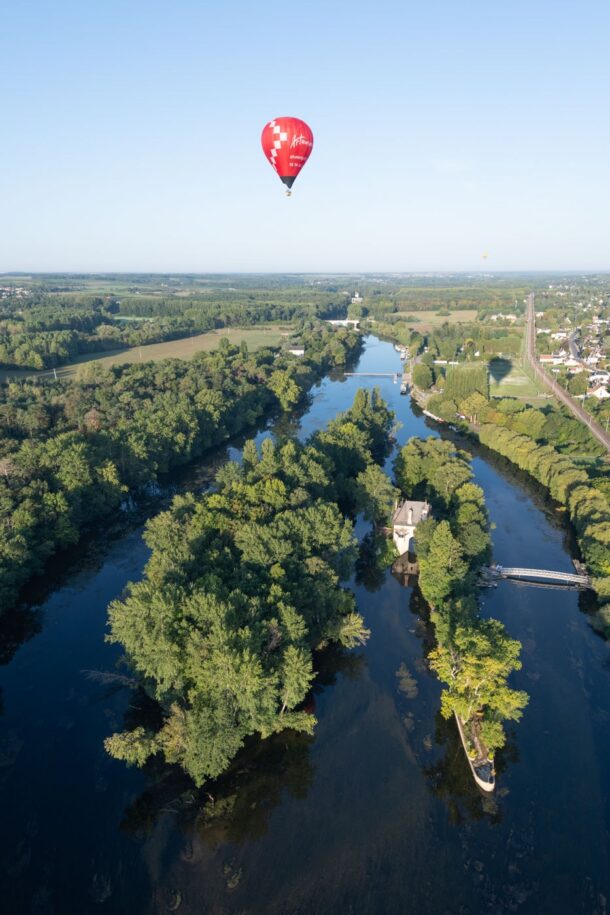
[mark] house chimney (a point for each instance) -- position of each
(410, 516)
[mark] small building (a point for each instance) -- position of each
(600, 392)
(343, 322)
(297, 350)
(405, 519)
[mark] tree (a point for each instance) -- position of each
(577, 384)
(475, 665)
(443, 570)
(422, 376)
(376, 495)
(296, 674)
(285, 389)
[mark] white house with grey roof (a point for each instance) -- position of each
(405, 519)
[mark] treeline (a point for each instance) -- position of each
(385, 301)
(550, 424)
(473, 656)
(569, 484)
(52, 348)
(70, 452)
(558, 451)
(242, 587)
(453, 342)
(48, 331)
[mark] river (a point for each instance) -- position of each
(376, 813)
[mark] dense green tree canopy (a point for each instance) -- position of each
(473, 657)
(242, 585)
(72, 451)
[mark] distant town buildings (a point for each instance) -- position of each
(14, 292)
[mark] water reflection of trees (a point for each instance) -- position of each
(371, 566)
(237, 806)
(17, 626)
(450, 778)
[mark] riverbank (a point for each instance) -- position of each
(89, 444)
(568, 482)
(378, 811)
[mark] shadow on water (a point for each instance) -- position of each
(449, 778)
(17, 626)
(370, 568)
(237, 806)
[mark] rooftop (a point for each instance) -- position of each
(410, 513)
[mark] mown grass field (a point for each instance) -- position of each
(424, 320)
(513, 381)
(184, 348)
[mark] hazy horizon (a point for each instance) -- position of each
(441, 133)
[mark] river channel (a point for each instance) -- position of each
(377, 813)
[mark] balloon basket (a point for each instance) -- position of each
(288, 193)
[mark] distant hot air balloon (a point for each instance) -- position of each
(485, 255)
(287, 143)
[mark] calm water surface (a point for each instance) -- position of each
(374, 814)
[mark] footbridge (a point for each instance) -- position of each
(394, 375)
(569, 578)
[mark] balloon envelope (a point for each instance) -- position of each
(287, 143)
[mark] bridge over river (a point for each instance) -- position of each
(548, 575)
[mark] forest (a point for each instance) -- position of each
(71, 452)
(46, 330)
(243, 587)
(473, 656)
(62, 317)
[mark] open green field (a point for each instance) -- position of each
(424, 320)
(512, 381)
(184, 348)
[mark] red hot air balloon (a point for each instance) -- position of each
(287, 143)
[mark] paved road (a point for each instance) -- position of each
(574, 348)
(549, 382)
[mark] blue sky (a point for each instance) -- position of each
(442, 130)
